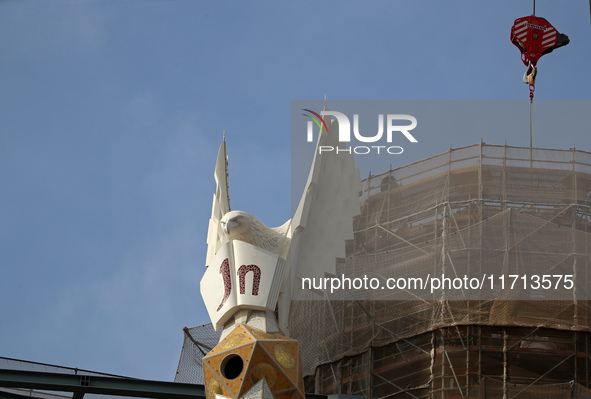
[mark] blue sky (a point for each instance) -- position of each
(112, 111)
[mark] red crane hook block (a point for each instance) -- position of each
(534, 37)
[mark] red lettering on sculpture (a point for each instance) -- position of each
(256, 279)
(225, 272)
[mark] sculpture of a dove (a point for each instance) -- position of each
(313, 239)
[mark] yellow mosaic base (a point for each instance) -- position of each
(214, 388)
(233, 340)
(286, 355)
(264, 370)
(215, 363)
(264, 355)
(259, 334)
(211, 380)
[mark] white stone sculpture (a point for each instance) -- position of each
(252, 269)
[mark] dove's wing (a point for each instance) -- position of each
(324, 218)
(221, 205)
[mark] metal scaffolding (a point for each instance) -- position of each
(474, 211)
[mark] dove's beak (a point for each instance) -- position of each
(230, 224)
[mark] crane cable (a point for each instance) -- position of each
(530, 78)
(531, 81)
(534, 37)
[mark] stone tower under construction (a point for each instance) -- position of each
(513, 212)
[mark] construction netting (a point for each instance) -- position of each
(490, 214)
(488, 218)
(465, 362)
(197, 343)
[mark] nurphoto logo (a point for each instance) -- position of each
(392, 127)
